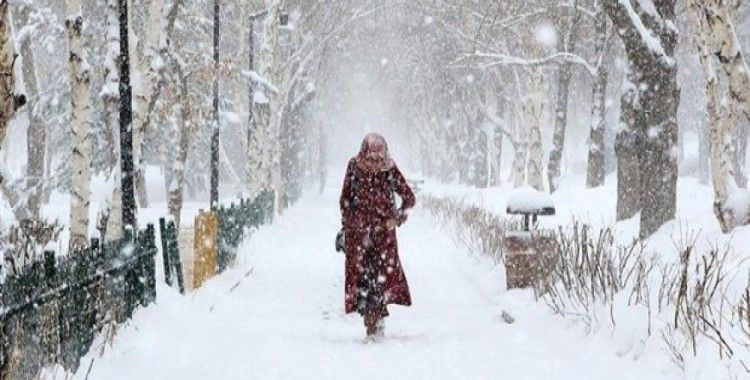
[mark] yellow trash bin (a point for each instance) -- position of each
(204, 247)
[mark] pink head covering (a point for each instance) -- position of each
(373, 155)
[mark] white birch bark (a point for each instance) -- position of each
(36, 131)
(7, 79)
(114, 220)
(520, 148)
(110, 96)
(497, 154)
(186, 131)
(595, 164)
(264, 148)
(534, 111)
(722, 41)
(719, 126)
(147, 66)
(277, 106)
(79, 72)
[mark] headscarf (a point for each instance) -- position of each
(374, 150)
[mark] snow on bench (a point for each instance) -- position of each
(529, 201)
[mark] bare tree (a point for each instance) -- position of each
(9, 100)
(595, 170)
(566, 40)
(646, 29)
(36, 132)
(534, 112)
(715, 37)
(79, 72)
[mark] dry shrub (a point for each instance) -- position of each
(479, 230)
(25, 243)
(590, 269)
(592, 273)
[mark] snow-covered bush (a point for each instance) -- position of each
(25, 243)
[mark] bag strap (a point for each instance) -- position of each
(392, 189)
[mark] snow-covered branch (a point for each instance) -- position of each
(500, 59)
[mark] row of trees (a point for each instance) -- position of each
(504, 71)
(162, 77)
(466, 78)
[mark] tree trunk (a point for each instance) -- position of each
(262, 145)
(215, 132)
(111, 98)
(145, 93)
(534, 113)
(658, 96)
(595, 170)
(741, 155)
(256, 168)
(720, 121)
(561, 121)
(176, 187)
(520, 150)
(251, 103)
(496, 159)
(703, 153)
(36, 133)
(114, 220)
(79, 72)
(723, 42)
(565, 43)
(8, 99)
(129, 211)
(626, 148)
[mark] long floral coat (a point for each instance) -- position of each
(372, 207)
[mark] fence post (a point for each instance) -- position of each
(51, 335)
(165, 252)
(224, 225)
(174, 255)
(49, 268)
(130, 278)
(149, 265)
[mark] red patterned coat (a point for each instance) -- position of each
(371, 210)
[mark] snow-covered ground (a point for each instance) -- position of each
(279, 315)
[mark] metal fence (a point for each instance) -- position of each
(52, 310)
(236, 221)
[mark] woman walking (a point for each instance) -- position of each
(370, 215)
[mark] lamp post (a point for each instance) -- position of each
(215, 135)
(126, 120)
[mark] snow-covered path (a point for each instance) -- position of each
(279, 315)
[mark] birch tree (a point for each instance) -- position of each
(595, 168)
(715, 38)
(722, 41)
(148, 64)
(79, 73)
(261, 150)
(534, 113)
(36, 132)
(185, 132)
(9, 101)
(566, 40)
(111, 99)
